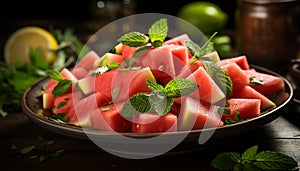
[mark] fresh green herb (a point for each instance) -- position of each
(36, 151)
(237, 118)
(252, 160)
(55, 75)
(256, 81)
(61, 117)
(62, 87)
(218, 74)
(61, 104)
(134, 39)
(223, 110)
(157, 34)
(161, 98)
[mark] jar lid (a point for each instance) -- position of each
(268, 1)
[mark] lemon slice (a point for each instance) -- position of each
(18, 45)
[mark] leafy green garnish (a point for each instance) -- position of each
(218, 74)
(157, 34)
(252, 160)
(256, 81)
(134, 39)
(104, 69)
(36, 151)
(62, 87)
(161, 98)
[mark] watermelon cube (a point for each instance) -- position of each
(195, 114)
(237, 75)
(249, 92)
(107, 118)
(246, 108)
(271, 84)
(241, 61)
(153, 123)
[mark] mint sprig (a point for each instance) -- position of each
(161, 98)
(218, 74)
(134, 39)
(252, 160)
(158, 32)
(63, 84)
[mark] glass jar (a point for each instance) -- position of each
(266, 32)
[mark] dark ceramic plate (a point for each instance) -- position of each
(31, 104)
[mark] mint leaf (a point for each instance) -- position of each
(268, 160)
(226, 160)
(155, 87)
(197, 51)
(158, 32)
(250, 153)
(256, 81)
(134, 39)
(55, 75)
(180, 87)
(163, 105)
(130, 62)
(219, 75)
(62, 87)
(138, 103)
(251, 160)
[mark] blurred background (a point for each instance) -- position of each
(84, 15)
(87, 16)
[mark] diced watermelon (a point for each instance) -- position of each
(208, 90)
(197, 115)
(153, 123)
(158, 59)
(239, 60)
(190, 68)
(129, 82)
(86, 63)
(249, 92)
(48, 98)
(271, 84)
(64, 104)
(178, 40)
(108, 58)
(237, 75)
(107, 118)
(128, 51)
(245, 107)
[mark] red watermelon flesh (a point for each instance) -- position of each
(178, 40)
(129, 82)
(190, 68)
(195, 114)
(64, 104)
(153, 123)
(158, 59)
(245, 107)
(271, 84)
(85, 63)
(238, 77)
(241, 61)
(249, 92)
(208, 90)
(107, 118)
(48, 98)
(128, 51)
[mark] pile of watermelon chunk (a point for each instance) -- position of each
(95, 100)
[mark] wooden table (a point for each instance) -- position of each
(281, 135)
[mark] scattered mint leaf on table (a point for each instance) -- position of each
(252, 160)
(36, 151)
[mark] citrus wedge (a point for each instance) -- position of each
(18, 45)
